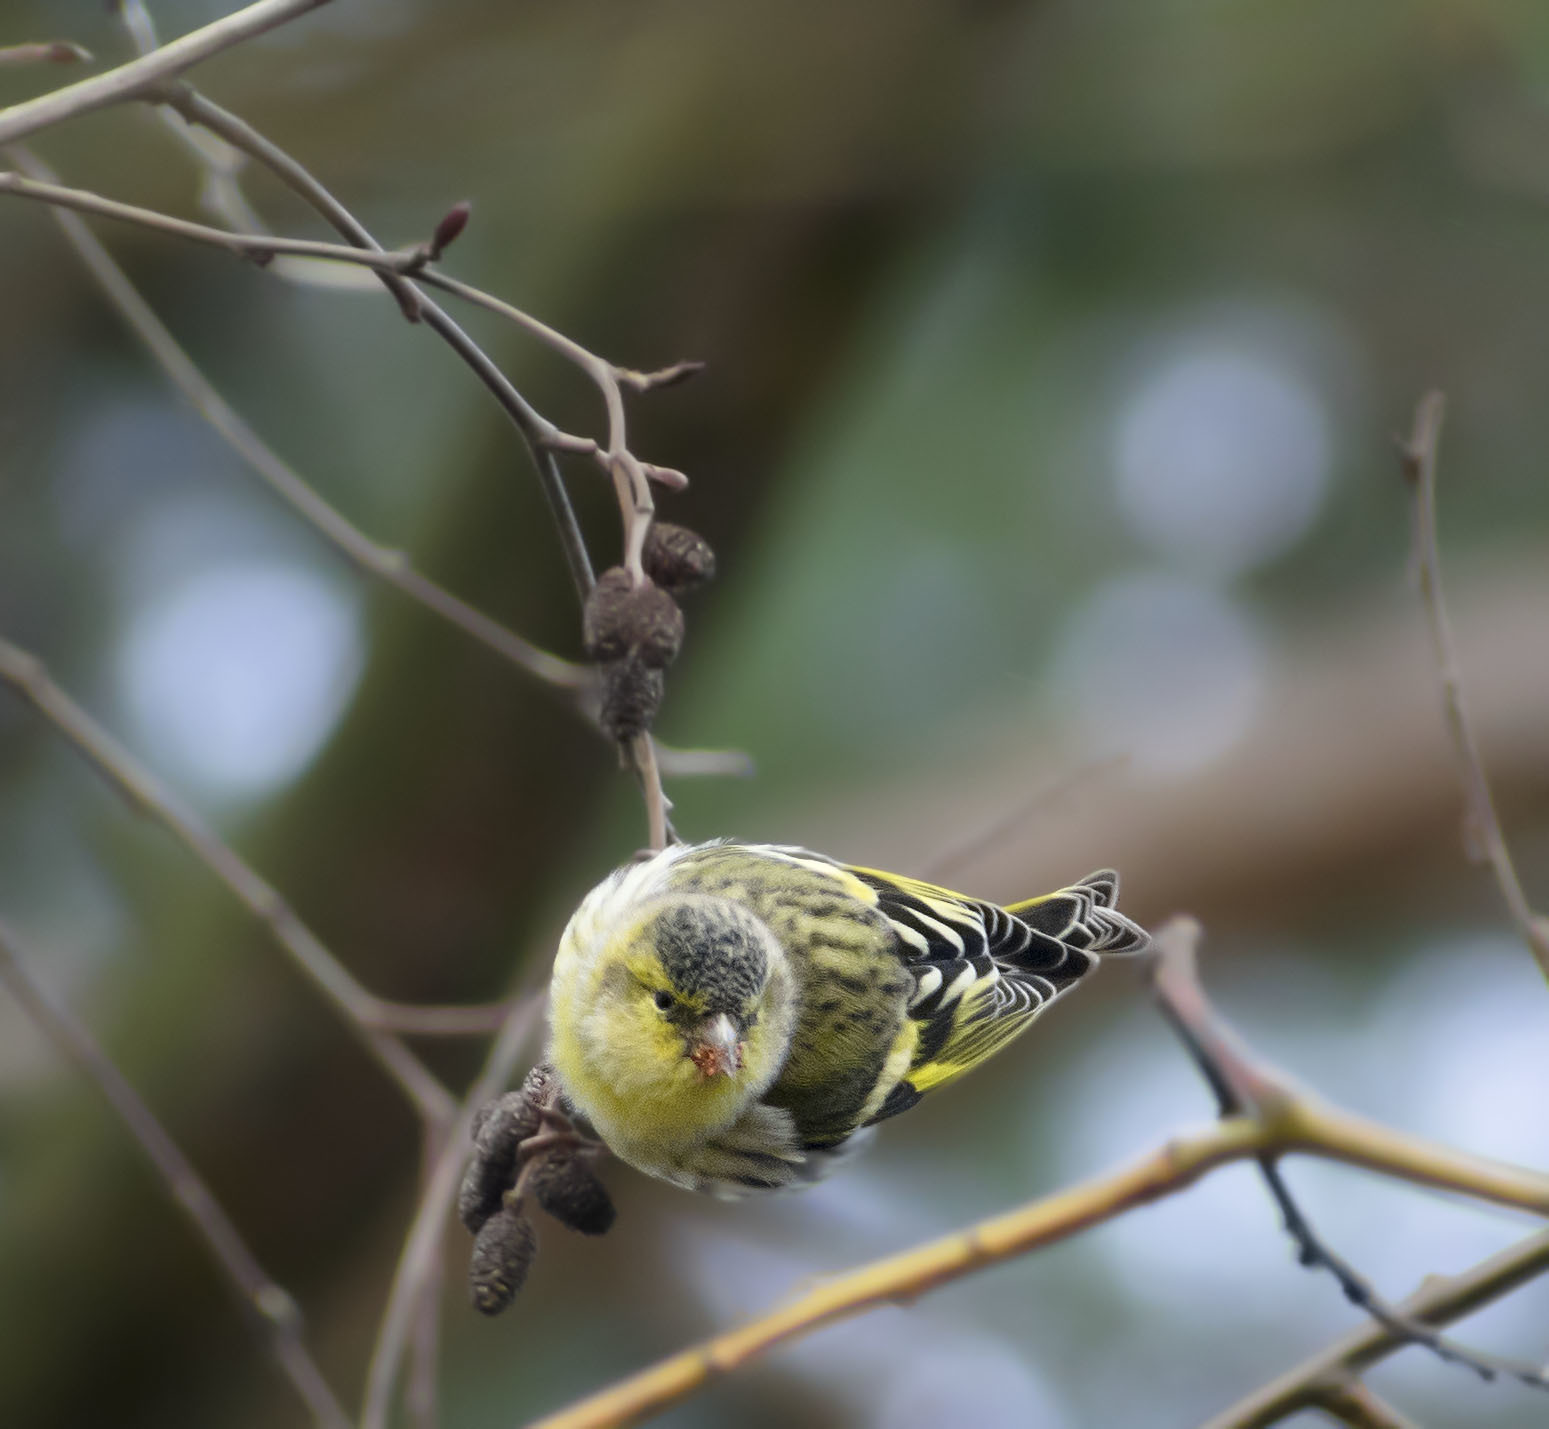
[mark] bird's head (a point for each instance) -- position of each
(684, 1008)
(701, 970)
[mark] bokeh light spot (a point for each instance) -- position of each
(236, 676)
(1161, 669)
(1222, 455)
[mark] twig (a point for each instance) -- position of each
(631, 477)
(1283, 1120)
(474, 1019)
(1439, 1301)
(677, 763)
(1482, 825)
(420, 1393)
(130, 80)
(629, 473)
(642, 751)
(359, 549)
(221, 166)
(1360, 1292)
(1356, 1406)
(541, 436)
(420, 1259)
(49, 52)
(1241, 1088)
(386, 565)
(26, 675)
(268, 1306)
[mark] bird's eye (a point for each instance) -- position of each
(664, 1000)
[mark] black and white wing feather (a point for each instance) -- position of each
(982, 973)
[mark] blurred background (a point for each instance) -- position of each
(1055, 352)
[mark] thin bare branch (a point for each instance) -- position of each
(1482, 826)
(145, 793)
(642, 752)
(421, 1396)
(628, 472)
(421, 1258)
(1441, 1300)
(270, 1308)
(129, 81)
(677, 763)
(49, 52)
(541, 436)
(631, 477)
(282, 479)
(477, 1019)
(221, 194)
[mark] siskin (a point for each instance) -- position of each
(728, 1016)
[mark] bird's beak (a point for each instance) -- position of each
(713, 1047)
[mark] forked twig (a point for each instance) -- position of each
(389, 566)
(129, 81)
(148, 795)
(1242, 1087)
(1439, 1301)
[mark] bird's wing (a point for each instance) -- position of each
(982, 972)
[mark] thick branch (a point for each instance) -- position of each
(270, 1308)
(1297, 1124)
(130, 80)
(1482, 826)
(904, 1276)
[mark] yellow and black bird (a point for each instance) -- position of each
(728, 1016)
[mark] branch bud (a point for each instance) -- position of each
(450, 228)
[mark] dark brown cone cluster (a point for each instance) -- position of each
(492, 1201)
(635, 631)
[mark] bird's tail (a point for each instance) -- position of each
(1084, 916)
